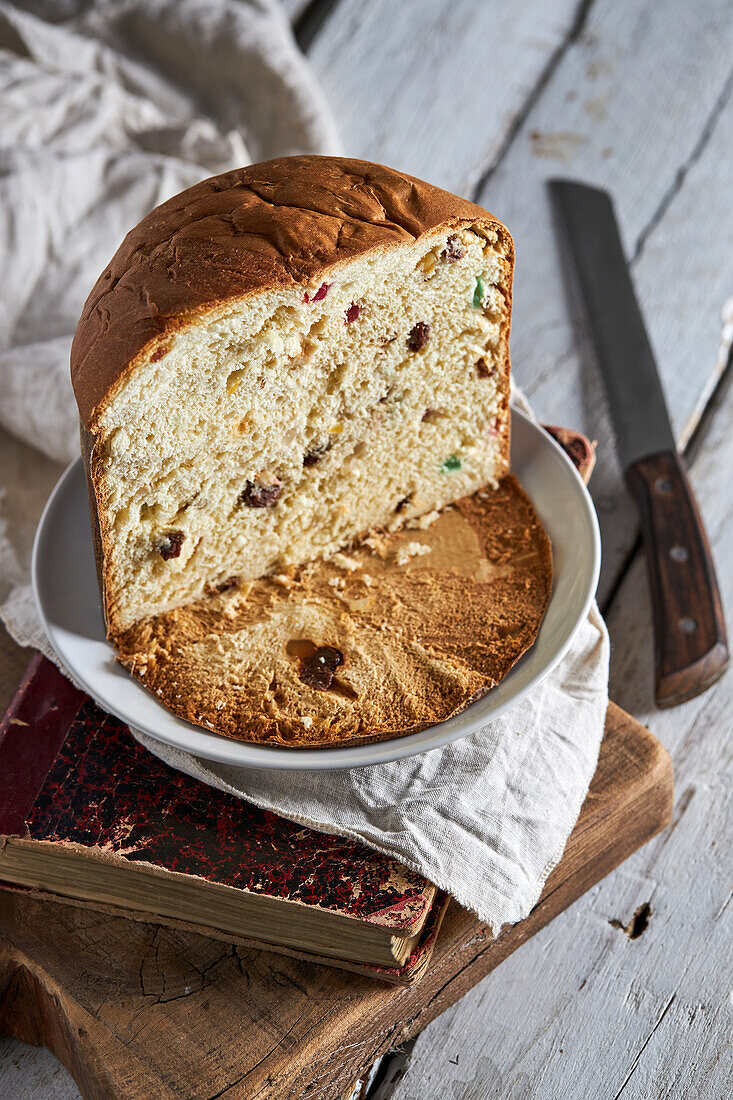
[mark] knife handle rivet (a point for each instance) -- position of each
(663, 485)
(687, 626)
(679, 553)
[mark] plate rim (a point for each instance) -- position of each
(223, 750)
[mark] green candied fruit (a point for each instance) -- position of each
(479, 293)
(451, 464)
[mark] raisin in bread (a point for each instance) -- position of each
(278, 360)
(405, 630)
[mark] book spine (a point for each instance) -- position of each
(32, 731)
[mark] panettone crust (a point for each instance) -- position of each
(276, 224)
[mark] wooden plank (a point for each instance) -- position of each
(137, 1010)
(433, 88)
(640, 104)
(649, 1015)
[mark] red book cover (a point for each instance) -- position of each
(73, 776)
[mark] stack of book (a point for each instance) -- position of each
(88, 816)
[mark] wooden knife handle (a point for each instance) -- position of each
(691, 646)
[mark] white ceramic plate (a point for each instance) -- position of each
(65, 585)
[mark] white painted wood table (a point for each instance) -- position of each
(490, 99)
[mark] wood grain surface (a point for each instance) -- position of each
(136, 1010)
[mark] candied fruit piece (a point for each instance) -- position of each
(169, 545)
(419, 336)
(317, 669)
(310, 458)
(451, 464)
(158, 353)
(352, 313)
(319, 295)
(454, 249)
(483, 370)
(329, 656)
(315, 675)
(259, 495)
(479, 294)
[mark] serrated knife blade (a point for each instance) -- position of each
(629, 372)
(691, 650)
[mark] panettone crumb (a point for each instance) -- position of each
(408, 550)
(421, 523)
(342, 561)
(283, 427)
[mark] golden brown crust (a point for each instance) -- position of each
(280, 223)
(422, 633)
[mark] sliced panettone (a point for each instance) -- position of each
(279, 360)
(404, 631)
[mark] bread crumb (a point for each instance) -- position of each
(410, 550)
(374, 542)
(341, 561)
(421, 523)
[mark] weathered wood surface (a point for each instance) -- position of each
(636, 96)
(136, 1010)
(585, 1010)
(434, 87)
(638, 101)
(637, 104)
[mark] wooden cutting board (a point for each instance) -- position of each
(137, 1011)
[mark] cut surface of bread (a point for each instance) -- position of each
(280, 360)
(402, 632)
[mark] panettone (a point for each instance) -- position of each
(279, 360)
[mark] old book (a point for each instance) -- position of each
(89, 816)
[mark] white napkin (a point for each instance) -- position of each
(486, 818)
(104, 113)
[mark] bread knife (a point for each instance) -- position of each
(691, 648)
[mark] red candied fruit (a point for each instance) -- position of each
(319, 295)
(352, 313)
(169, 546)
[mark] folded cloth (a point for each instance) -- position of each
(485, 818)
(105, 113)
(107, 107)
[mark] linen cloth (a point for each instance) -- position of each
(107, 108)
